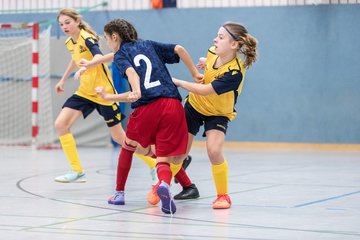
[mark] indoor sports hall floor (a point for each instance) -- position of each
(276, 193)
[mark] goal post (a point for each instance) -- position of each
(26, 116)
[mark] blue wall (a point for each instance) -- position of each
(305, 86)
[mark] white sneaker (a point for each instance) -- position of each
(154, 177)
(71, 176)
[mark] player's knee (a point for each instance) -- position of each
(118, 139)
(59, 125)
(62, 127)
(214, 153)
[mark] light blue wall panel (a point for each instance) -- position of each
(305, 86)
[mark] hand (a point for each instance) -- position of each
(59, 88)
(101, 92)
(134, 96)
(199, 78)
(176, 81)
(79, 72)
(202, 63)
(84, 63)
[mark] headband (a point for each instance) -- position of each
(232, 35)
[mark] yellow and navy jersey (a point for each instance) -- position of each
(86, 47)
(227, 81)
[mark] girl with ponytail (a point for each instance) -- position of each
(82, 43)
(212, 102)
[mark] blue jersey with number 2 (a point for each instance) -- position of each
(148, 58)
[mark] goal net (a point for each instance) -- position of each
(26, 116)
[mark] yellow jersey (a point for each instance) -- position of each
(86, 47)
(227, 81)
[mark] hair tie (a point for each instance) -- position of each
(232, 35)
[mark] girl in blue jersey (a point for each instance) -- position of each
(83, 44)
(159, 116)
(212, 103)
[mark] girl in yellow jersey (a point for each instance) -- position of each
(83, 44)
(212, 103)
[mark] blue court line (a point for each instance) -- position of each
(326, 199)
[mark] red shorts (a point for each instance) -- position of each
(162, 123)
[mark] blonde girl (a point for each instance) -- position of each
(82, 43)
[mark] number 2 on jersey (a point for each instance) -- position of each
(147, 61)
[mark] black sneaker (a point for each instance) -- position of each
(190, 192)
(185, 164)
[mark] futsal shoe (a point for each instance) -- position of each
(168, 205)
(153, 197)
(71, 177)
(117, 199)
(222, 202)
(190, 192)
(185, 164)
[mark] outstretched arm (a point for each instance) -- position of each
(185, 57)
(122, 97)
(97, 59)
(200, 89)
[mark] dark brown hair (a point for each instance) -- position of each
(123, 28)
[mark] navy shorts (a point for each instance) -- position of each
(195, 120)
(111, 114)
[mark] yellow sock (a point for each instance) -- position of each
(220, 174)
(69, 147)
(151, 162)
(175, 168)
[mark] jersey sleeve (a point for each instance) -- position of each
(121, 61)
(229, 82)
(93, 45)
(166, 52)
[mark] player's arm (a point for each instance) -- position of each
(60, 85)
(199, 89)
(185, 57)
(134, 95)
(123, 97)
(134, 81)
(97, 59)
(230, 81)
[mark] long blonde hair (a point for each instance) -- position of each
(70, 12)
(247, 43)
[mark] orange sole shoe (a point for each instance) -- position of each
(153, 197)
(222, 202)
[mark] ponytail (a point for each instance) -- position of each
(84, 25)
(249, 49)
(247, 43)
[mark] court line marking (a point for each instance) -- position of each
(326, 199)
(226, 224)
